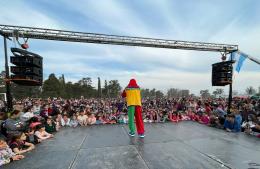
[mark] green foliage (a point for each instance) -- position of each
(205, 93)
(177, 93)
(105, 89)
(250, 91)
(52, 87)
(19, 91)
(218, 92)
(151, 93)
(113, 88)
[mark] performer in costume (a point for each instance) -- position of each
(132, 94)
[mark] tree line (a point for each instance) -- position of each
(58, 87)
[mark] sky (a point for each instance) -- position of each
(220, 21)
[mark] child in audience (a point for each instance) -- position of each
(232, 124)
(111, 118)
(18, 144)
(65, 121)
(30, 137)
(185, 116)
(154, 116)
(174, 117)
(50, 126)
(27, 115)
(74, 122)
(58, 121)
(92, 119)
(34, 121)
(99, 118)
(6, 153)
(13, 125)
(82, 118)
(125, 119)
(204, 118)
(106, 119)
(41, 133)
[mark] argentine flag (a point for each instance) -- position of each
(239, 57)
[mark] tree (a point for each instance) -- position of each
(215, 93)
(250, 90)
(152, 93)
(69, 88)
(218, 92)
(63, 92)
(205, 93)
(114, 88)
(86, 81)
(178, 93)
(105, 89)
(172, 92)
(51, 87)
(99, 88)
(20, 92)
(84, 86)
(159, 94)
(145, 93)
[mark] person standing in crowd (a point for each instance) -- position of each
(132, 94)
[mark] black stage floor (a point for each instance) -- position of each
(166, 145)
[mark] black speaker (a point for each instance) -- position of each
(28, 68)
(222, 73)
(26, 61)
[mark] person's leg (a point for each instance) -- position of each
(131, 112)
(139, 120)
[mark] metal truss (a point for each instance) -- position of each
(72, 36)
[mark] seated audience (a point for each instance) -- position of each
(27, 115)
(6, 153)
(82, 118)
(232, 124)
(91, 119)
(65, 121)
(50, 126)
(41, 133)
(13, 124)
(74, 121)
(30, 137)
(19, 145)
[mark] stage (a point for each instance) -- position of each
(166, 145)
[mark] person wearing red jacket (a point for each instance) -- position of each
(132, 93)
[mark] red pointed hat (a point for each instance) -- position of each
(132, 84)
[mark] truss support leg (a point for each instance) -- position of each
(230, 92)
(7, 83)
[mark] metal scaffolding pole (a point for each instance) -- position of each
(72, 36)
(8, 85)
(62, 35)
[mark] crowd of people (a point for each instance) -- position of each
(34, 120)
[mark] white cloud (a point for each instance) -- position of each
(161, 68)
(18, 13)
